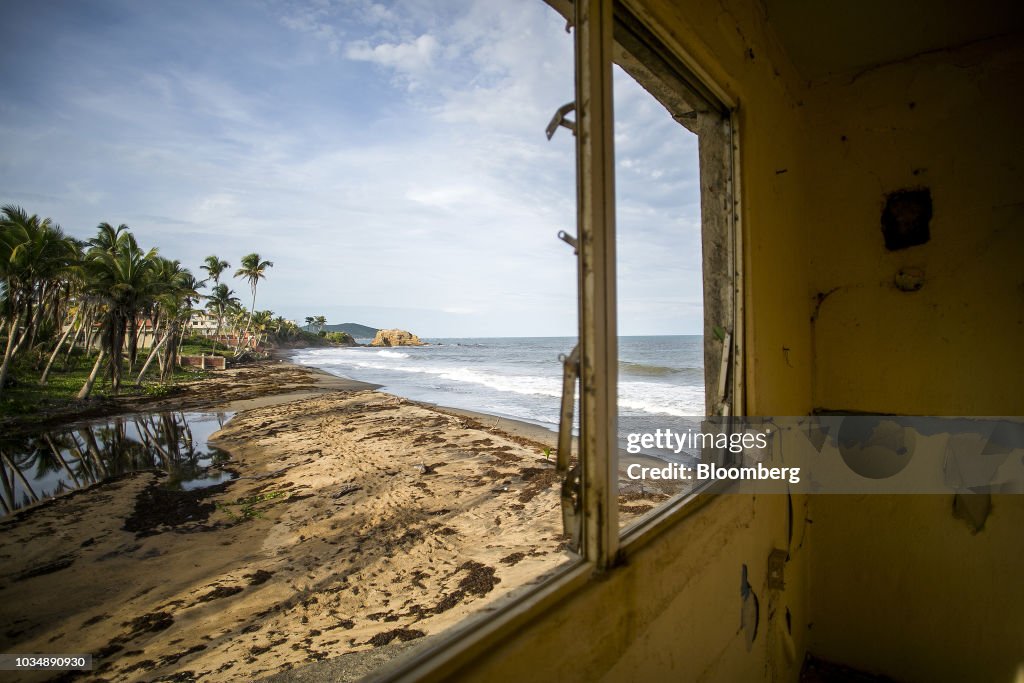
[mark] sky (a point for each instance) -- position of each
(388, 157)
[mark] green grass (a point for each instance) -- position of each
(23, 396)
(197, 346)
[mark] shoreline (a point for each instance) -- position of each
(359, 522)
(533, 431)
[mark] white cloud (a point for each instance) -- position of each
(410, 57)
(389, 156)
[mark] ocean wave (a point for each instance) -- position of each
(538, 393)
(516, 384)
(391, 354)
(662, 399)
(648, 370)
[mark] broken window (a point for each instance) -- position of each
(621, 412)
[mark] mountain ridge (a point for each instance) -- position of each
(355, 329)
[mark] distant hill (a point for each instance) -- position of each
(355, 329)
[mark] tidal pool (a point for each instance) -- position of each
(40, 466)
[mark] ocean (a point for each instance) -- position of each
(661, 378)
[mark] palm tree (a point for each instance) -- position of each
(214, 266)
(261, 323)
(220, 299)
(253, 270)
(73, 300)
(320, 322)
(34, 257)
(111, 239)
(309, 322)
(237, 316)
(280, 325)
(122, 276)
(176, 290)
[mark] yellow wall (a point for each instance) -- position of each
(671, 613)
(949, 121)
(901, 587)
(897, 584)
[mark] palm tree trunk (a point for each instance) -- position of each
(30, 327)
(131, 335)
(115, 345)
(56, 349)
(12, 329)
(87, 387)
(90, 338)
(81, 332)
(170, 355)
(252, 309)
(152, 355)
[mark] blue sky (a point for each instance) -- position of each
(389, 157)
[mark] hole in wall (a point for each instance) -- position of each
(906, 218)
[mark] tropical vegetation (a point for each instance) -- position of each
(85, 309)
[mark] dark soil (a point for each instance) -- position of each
(158, 509)
(402, 634)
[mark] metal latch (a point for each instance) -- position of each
(572, 522)
(569, 239)
(559, 120)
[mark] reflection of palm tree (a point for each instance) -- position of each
(29, 494)
(60, 459)
(6, 489)
(87, 454)
(93, 453)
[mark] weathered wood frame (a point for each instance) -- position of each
(595, 193)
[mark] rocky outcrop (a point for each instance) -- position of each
(396, 338)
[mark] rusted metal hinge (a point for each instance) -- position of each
(559, 120)
(724, 408)
(572, 521)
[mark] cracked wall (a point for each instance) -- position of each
(936, 327)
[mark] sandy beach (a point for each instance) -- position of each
(358, 521)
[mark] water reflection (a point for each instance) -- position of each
(40, 466)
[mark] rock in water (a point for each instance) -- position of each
(396, 338)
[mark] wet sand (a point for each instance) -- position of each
(359, 521)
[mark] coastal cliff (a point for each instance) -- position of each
(395, 338)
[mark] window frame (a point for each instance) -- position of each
(608, 32)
